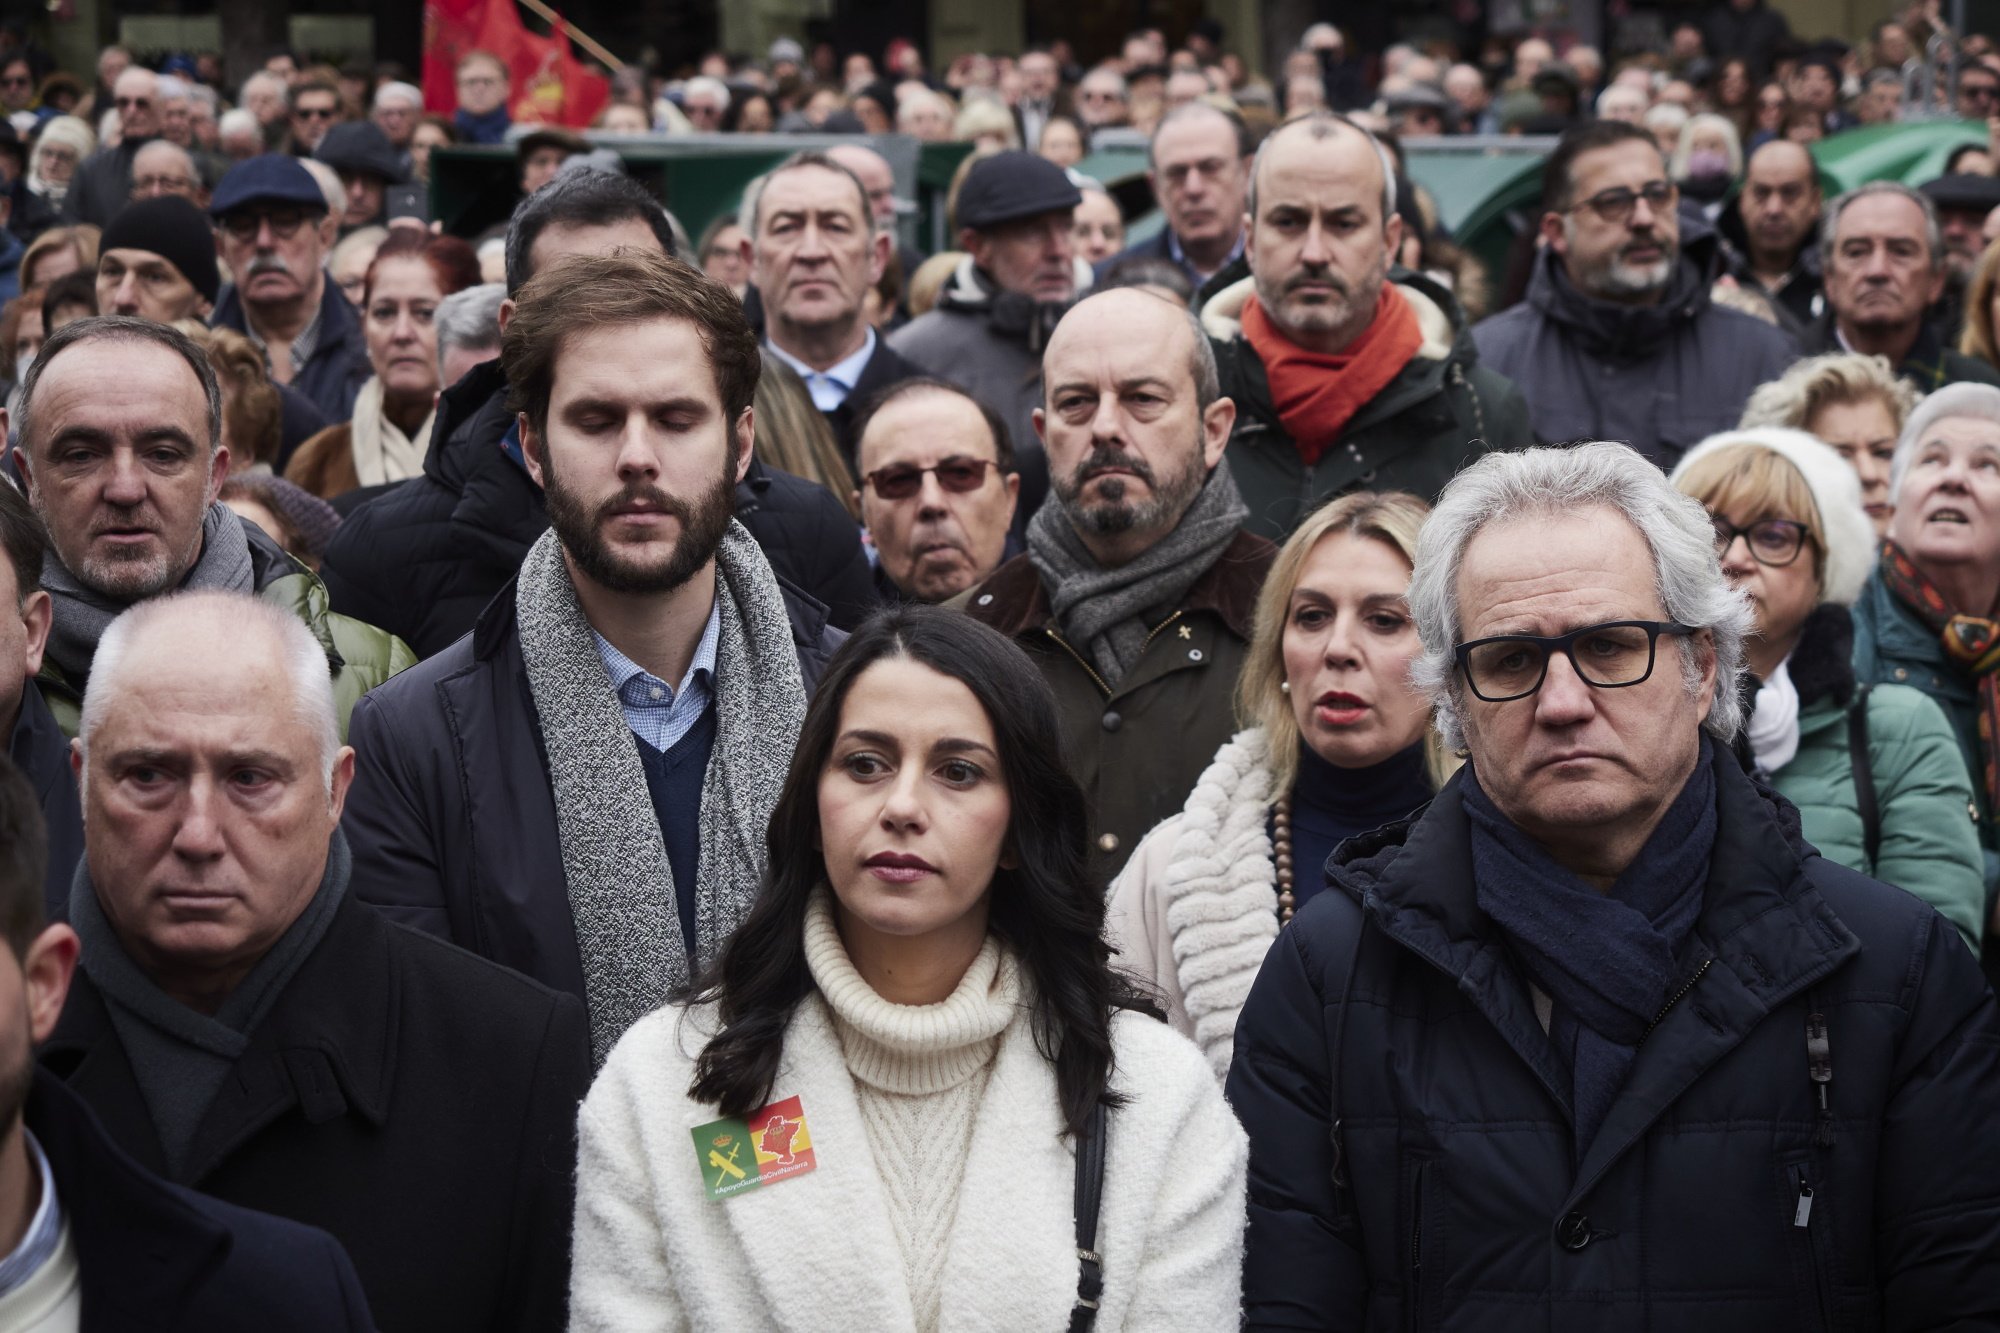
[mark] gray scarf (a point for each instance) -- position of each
(83, 614)
(1110, 612)
(621, 889)
(180, 1056)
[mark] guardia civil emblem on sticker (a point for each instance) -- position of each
(771, 1144)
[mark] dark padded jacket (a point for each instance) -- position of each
(1390, 1026)
(1661, 378)
(1440, 413)
(1928, 366)
(451, 816)
(424, 558)
(338, 367)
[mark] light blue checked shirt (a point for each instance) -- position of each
(658, 713)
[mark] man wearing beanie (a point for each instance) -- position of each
(157, 261)
(994, 315)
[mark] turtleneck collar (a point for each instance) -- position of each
(912, 1049)
(1379, 793)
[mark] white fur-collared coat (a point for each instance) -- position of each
(816, 1253)
(1195, 910)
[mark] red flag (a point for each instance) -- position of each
(550, 86)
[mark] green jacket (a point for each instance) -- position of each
(1440, 413)
(1138, 747)
(358, 655)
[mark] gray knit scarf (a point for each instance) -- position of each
(621, 889)
(181, 1057)
(1110, 612)
(83, 614)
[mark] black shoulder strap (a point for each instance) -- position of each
(1089, 1193)
(1864, 776)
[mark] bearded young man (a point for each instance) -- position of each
(580, 788)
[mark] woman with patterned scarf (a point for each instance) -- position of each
(1930, 615)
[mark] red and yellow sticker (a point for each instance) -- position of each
(767, 1146)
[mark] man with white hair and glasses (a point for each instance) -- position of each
(1597, 1038)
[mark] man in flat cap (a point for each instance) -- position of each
(993, 317)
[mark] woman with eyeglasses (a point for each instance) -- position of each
(883, 1110)
(62, 146)
(1875, 771)
(1337, 741)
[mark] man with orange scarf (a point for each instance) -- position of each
(1344, 379)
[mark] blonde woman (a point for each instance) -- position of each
(1336, 742)
(1856, 404)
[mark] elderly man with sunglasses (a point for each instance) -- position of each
(103, 182)
(1618, 339)
(1597, 1039)
(273, 231)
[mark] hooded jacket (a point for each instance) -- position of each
(989, 343)
(1801, 297)
(1440, 413)
(426, 556)
(1659, 378)
(1412, 1163)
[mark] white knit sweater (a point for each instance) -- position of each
(920, 1073)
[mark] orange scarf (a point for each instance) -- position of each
(1317, 394)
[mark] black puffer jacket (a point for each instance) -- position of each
(426, 556)
(1389, 1024)
(1661, 378)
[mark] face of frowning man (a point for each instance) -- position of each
(817, 251)
(939, 541)
(208, 803)
(1201, 179)
(1129, 444)
(1628, 258)
(119, 466)
(1031, 255)
(1880, 276)
(137, 94)
(275, 250)
(1319, 247)
(1587, 772)
(139, 282)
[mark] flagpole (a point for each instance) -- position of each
(581, 38)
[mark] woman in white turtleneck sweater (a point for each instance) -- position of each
(857, 1122)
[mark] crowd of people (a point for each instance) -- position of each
(1269, 776)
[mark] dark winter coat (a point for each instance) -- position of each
(1412, 1164)
(1801, 298)
(1137, 749)
(1443, 411)
(156, 1258)
(426, 556)
(40, 750)
(1929, 365)
(414, 1101)
(339, 365)
(1661, 378)
(884, 368)
(103, 184)
(452, 819)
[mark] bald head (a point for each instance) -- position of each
(258, 662)
(1779, 204)
(137, 94)
(872, 170)
(1333, 139)
(1169, 327)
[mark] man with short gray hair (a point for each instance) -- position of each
(1543, 1011)
(243, 1025)
(468, 330)
(1883, 255)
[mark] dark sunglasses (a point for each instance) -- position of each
(284, 222)
(313, 112)
(957, 475)
(135, 101)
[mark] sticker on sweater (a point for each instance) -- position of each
(763, 1148)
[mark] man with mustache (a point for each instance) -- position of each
(580, 788)
(1137, 589)
(1618, 339)
(1342, 378)
(267, 213)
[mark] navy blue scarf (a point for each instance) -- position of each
(1607, 958)
(489, 128)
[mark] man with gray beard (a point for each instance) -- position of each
(1137, 590)
(1617, 339)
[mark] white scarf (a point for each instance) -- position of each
(1774, 723)
(381, 451)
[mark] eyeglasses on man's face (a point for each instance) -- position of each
(1617, 206)
(285, 223)
(1771, 541)
(958, 475)
(312, 113)
(1609, 656)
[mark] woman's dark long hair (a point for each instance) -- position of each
(1048, 909)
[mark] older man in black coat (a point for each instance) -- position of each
(243, 1025)
(1597, 1040)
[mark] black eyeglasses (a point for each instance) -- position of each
(1616, 206)
(123, 102)
(313, 112)
(1772, 541)
(285, 222)
(958, 475)
(1608, 656)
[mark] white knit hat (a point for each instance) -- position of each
(1850, 538)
